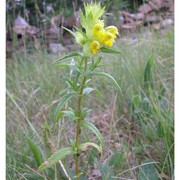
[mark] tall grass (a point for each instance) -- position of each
(137, 123)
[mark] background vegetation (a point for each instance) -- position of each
(137, 123)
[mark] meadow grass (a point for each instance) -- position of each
(137, 123)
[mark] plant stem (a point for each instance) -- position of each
(78, 128)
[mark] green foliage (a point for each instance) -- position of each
(148, 79)
(107, 76)
(89, 145)
(62, 102)
(36, 152)
(33, 85)
(109, 50)
(55, 157)
(106, 172)
(67, 57)
(93, 128)
(147, 172)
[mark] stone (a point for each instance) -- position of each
(56, 48)
(156, 26)
(145, 8)
(167, 22)
(128, 26)
(156, 4)
(32, 30)
(137, 16)
(152, 19)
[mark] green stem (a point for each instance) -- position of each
(78, 128)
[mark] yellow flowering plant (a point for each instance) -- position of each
(95, 39)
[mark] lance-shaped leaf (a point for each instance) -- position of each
(148, 77)
(106, 75)
(68, 30)
(68, 57)
(62, 102)
(55, 157)
(36, 152)
(61, 65)
(109, 50)
(89, 90)
(93, 128)
(89, 145)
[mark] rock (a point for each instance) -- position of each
(156, 26)
(126, 14)
(138, 23)
(19, 29)
(137, 16)
(152, 19)
(56, 48)
(145, 8)
(167, 22)
(20, 25)
(156, 4)
(32, 30)
(54, 30)
(128, 26)
(19, 21)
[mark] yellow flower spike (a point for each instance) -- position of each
(113, 30)
(94, 47)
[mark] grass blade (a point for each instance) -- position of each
(21, 111)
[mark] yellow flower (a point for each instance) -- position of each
(108, 39)
(97, 28)
(94, 47)
(113, 30)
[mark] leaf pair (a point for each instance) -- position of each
(62, 153)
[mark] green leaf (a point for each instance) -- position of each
(89, 90)
(109, 50)
(62, 102)
(89, 145)
(61, 65)
(68, 30)
(145, 104)
(106, 172)
(136, 100)
(70, 115)
(106, 75)
(67, 57)
(36, 152)
(95, 63)
(160, 130)
(93, 128)
(148, 78)
(55, 157)
(147, 172)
